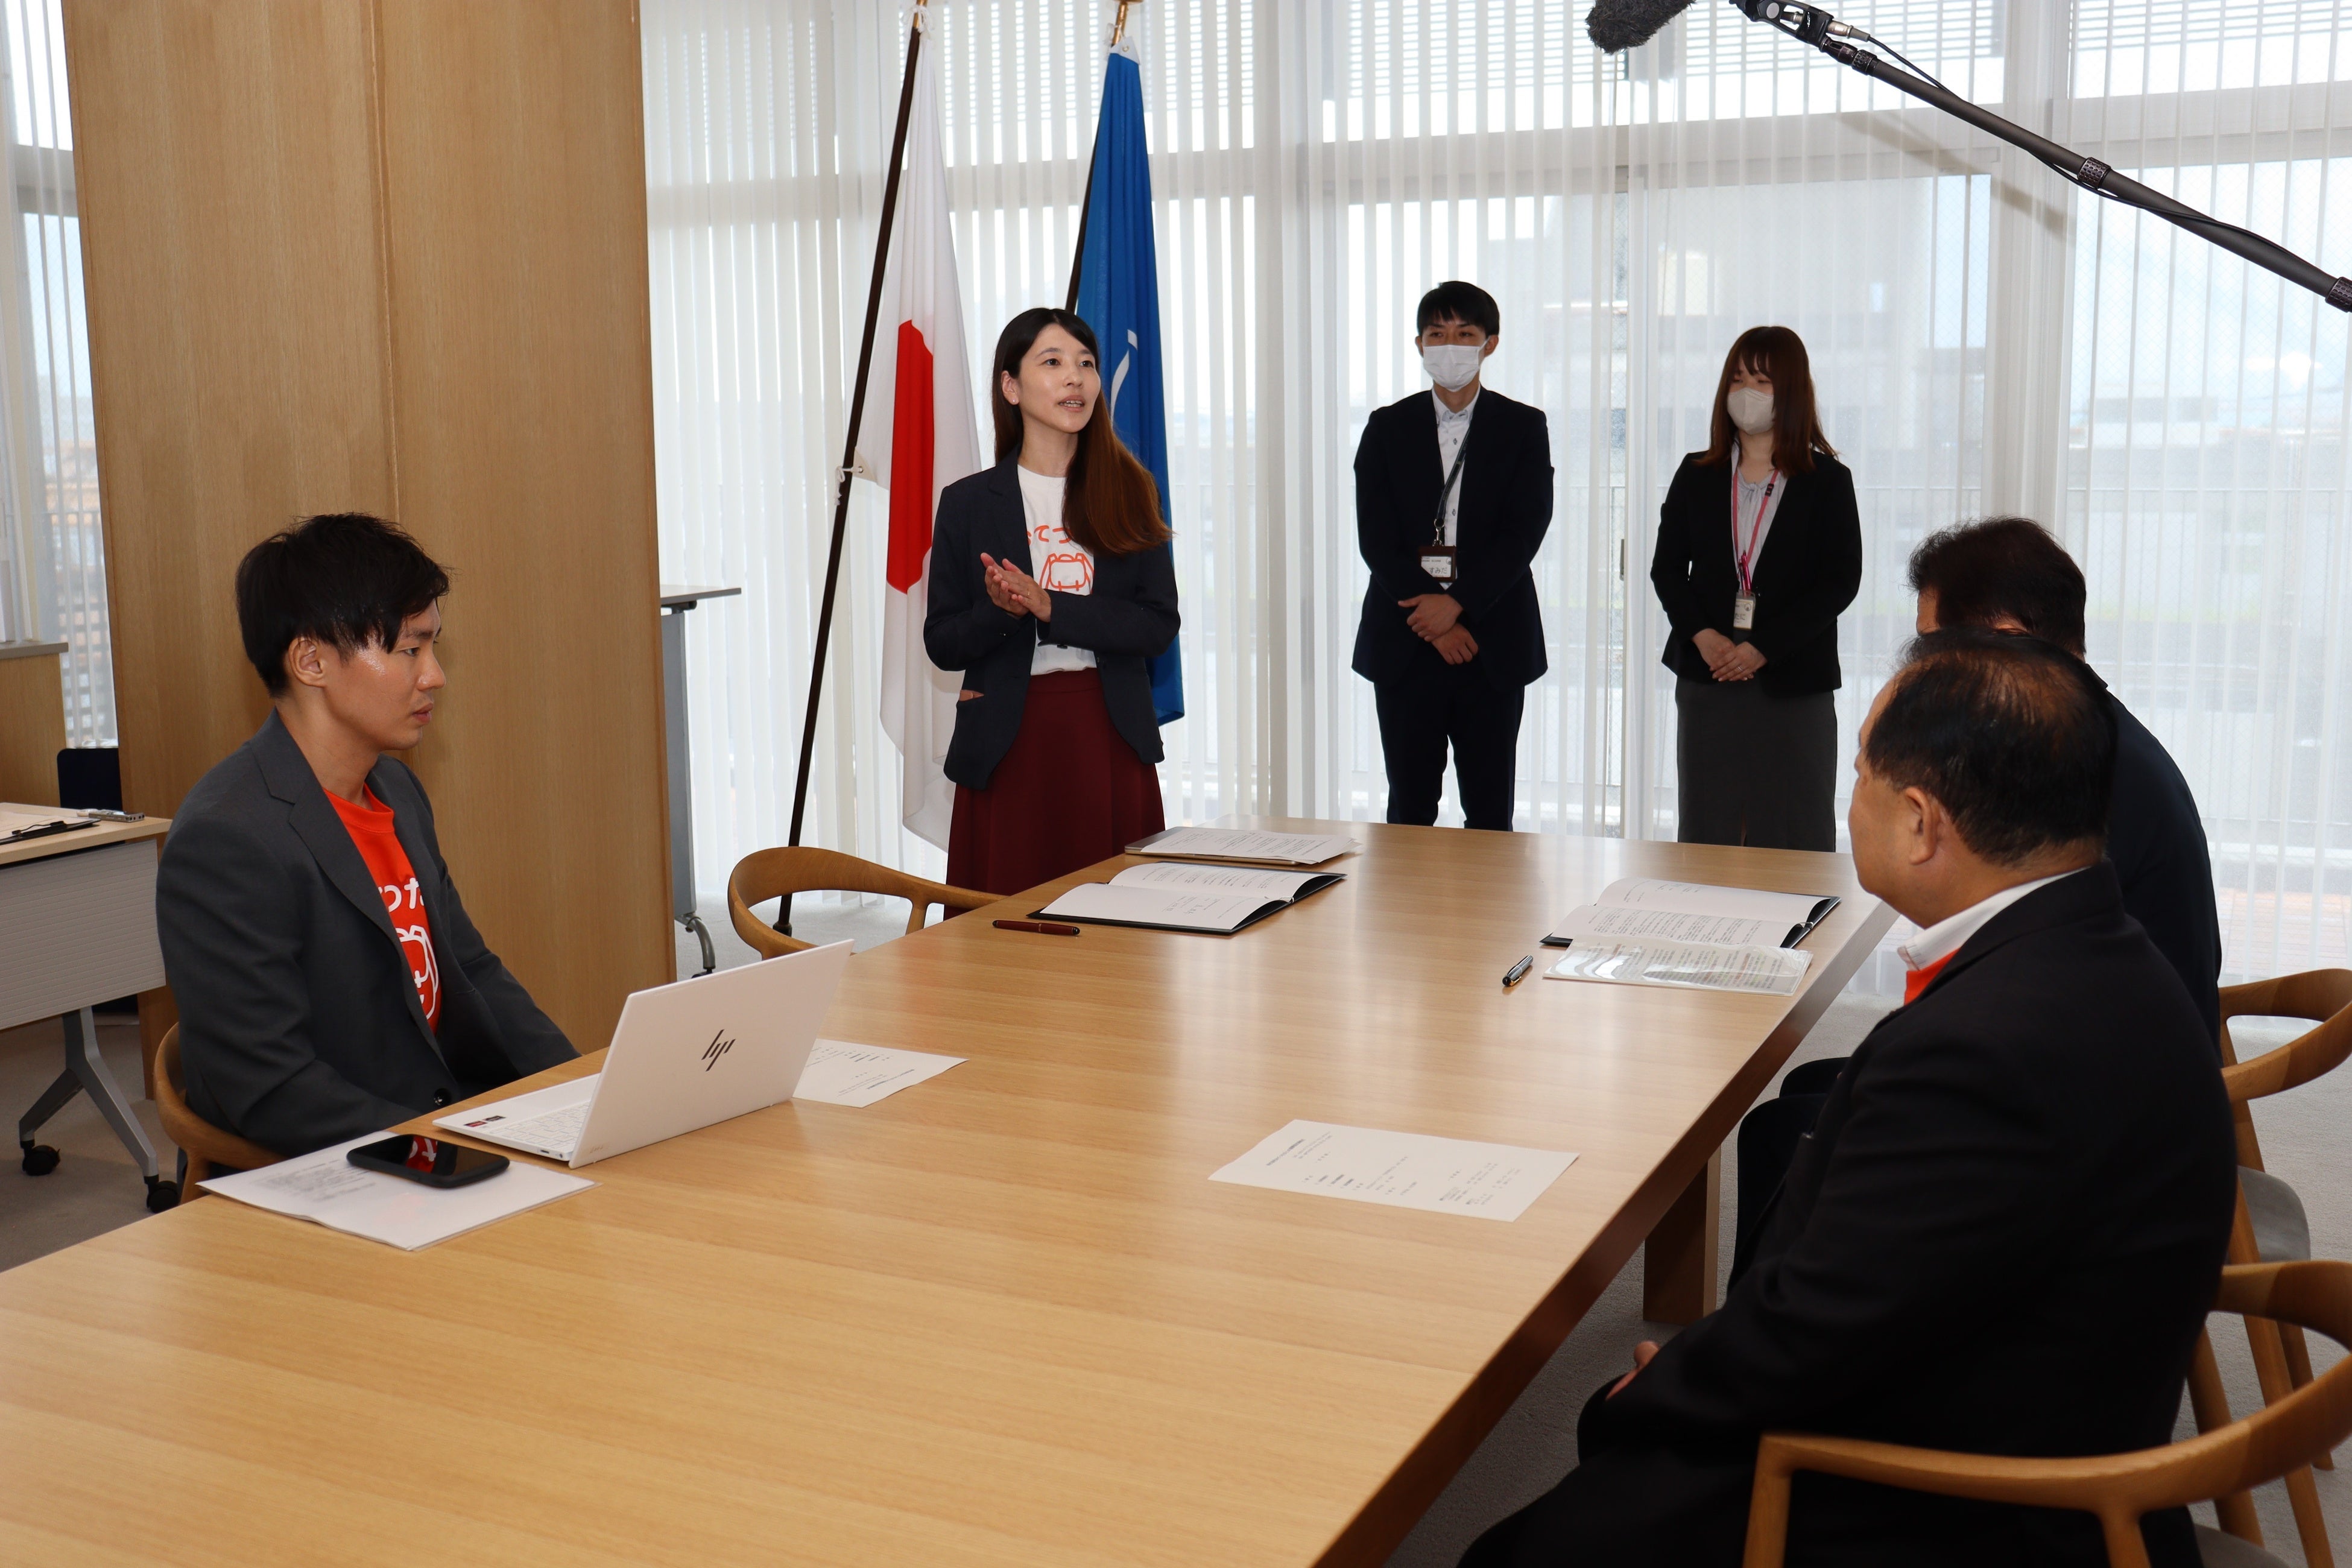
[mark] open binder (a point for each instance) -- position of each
(1212, 900)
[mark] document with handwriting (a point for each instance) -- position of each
(1403, 1170)
(327, 1189)
(1244, 844)
(841, 1073)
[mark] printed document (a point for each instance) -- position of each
(1774, 971)
(1188, 896)
(327, 1189)
(840, 1073)
(1244, 844)
(1645, 908)
(1404, 1170)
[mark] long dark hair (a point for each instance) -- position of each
(1779, 354)
(1110, 505)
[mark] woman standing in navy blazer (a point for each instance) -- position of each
(1759, 549)
(1051, 584)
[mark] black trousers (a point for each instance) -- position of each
(1455, 704)
(1768, 1136)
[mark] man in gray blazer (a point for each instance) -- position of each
(329, 981)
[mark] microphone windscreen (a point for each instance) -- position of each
(1619, 25)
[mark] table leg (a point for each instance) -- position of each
(1678, 1263)
(84, 1062)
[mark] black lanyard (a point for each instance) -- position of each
(1437, 527)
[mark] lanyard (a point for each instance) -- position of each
(1746, 558)
(1437, 526)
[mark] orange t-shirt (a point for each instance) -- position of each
(371, 828)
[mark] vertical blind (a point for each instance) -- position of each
(52, 553)
(1984, 340)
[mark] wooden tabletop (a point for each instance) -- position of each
(80, 838)
(1003, 1317)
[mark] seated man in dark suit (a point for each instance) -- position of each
(2007, 574)
(329, 981)
(2004, 1234)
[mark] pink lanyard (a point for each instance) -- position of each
(1747, 560)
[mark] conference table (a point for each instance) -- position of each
(1000, 1317)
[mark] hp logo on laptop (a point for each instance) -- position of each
(719, 1046)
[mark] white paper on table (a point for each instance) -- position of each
(1168, 907)
(1701, 898)
(1245, 844)
(1404, 1170)
(327, 1189)
(1773, 971)
(842, 1073)
(1231, 878)
(1613, 923)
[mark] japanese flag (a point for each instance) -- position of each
(918, 438)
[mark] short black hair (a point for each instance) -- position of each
(1459, 301)
(2012, 735)
(343, 578)
(2002, 568)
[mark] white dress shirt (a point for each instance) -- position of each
(1743, 522)
(1943, 939)
(1452, 429)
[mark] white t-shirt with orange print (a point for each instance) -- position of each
(1060, 565)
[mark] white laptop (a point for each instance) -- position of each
(683, 1057)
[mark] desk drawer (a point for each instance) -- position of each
(77, 929)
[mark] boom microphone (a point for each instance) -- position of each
(1619, 25)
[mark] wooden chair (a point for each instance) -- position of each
(206, 1146)
(2119, 1489)
(2270, 1226)
(775, 873)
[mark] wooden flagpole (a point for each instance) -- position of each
(849, 442)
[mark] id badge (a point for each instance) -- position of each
(1743, 612)
(1437, 560)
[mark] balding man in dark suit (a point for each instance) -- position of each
(2004, 1233)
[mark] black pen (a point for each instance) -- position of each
(1518, 972)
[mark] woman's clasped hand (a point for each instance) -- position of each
(1725, 659)
(1013, 591)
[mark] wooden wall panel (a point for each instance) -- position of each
(32, 725)
(391, 256)
(522, 366)
(225, 166)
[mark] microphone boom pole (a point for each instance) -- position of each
(1812, 24)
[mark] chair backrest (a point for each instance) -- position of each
(2324, 994)
(2117, 1488)
(767, 874)
(206, 1145)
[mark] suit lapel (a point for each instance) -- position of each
(287, 773)
(1011, 519)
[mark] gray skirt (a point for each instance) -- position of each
(1756, 768)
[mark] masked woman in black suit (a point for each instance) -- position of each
(1759, 548)
(1052, 584)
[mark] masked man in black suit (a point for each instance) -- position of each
(1453, 499)
(2005, 1231)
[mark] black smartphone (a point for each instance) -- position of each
(432, 1161)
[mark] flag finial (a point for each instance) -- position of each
(1118, 23)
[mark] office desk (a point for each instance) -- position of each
(78, 927)
(1003, 1317)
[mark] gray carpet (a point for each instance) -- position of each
(96, 1185)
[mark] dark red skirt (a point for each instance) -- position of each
(1070, 792)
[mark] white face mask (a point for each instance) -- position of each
(1453, 365)
(1750, 409)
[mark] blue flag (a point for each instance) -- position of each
(1119, 296)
